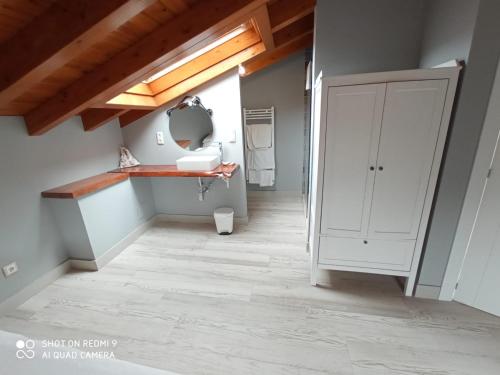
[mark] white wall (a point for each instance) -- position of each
(69, 221)
(448, 29)
(359, 36)
(463, 139)
(30, 165)
(94, 223)
(282, 86)
(111, 214)
(179, 195)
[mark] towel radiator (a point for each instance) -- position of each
(259, 116)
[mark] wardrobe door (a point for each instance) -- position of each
(354, 115)
(410, 129)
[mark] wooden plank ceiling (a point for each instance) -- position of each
(125, 58)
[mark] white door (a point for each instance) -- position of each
(410, 129)
(354, 116)
(479, 283)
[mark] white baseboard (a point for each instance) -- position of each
(83, 265)
(427, 291)
(35, 287)
(97, 264)
(124, 243)
(42, 282)
(93, 265)
(194, 219)
(276, 193)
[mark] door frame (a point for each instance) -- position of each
(485, 153)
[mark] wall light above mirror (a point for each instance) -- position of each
(190, 124)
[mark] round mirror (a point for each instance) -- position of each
(191, 127)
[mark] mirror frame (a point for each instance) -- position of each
(189, 101)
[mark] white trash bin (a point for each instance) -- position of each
(224, 220)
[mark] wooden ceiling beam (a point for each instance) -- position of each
(263, 26)
(175, 6)
(208, 59)
(285, 12)
(131, 116)
(206, 75)
(198, 25)
(294, 30)
(93, 118)
(42, 47)
(268, 58)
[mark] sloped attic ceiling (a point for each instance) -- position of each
(124, 58)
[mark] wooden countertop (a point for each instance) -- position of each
(171, 171)
(86, 186)
(95, 183)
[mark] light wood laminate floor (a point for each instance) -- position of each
(184, 299)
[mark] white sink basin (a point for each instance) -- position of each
(198, 163)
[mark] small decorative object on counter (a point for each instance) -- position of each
(127, 159)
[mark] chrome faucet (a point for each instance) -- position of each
(221, 150)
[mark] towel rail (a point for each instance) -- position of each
(258, 116)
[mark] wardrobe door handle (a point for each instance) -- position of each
(372, 168)
(365, 242)
(380, 168)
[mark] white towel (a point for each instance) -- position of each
(259, 136)
(260, 156)
(264, 177)
(253, 176)
(261, 159)
(267, 177)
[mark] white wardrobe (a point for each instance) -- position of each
(379, 141)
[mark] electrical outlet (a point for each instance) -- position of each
(10, 269)
(159, 138)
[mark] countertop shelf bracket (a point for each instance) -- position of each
(204, 185)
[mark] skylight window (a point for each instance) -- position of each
(198, 53)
